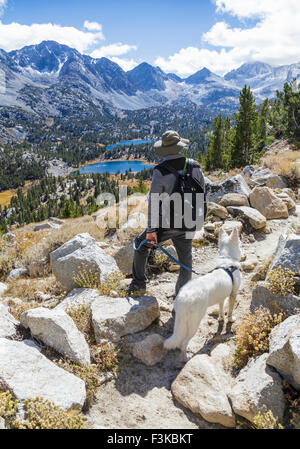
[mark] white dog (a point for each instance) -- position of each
(213, 288)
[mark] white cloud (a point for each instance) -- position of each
(112, 52)
(92, 26)
(125, 64)
(274, 39)
(117, 49)
(15, 36)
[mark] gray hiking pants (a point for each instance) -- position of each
(183, 247)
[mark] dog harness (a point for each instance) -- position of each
(229, 271)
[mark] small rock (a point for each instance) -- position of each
(17, 273)
(263, 297)
(124, 259)
(284, 353)
(210, 227)
(7, 322)
(115, 317)
(56, 220)
(57, 330)
(234, 199)
(251, 238)
(217, 209)
(287, 254)
(255, 218)
(267, 203)
(198, 388)
(276, 182)
(150, 350)
(287, 200)
(256, 389)
(48, 225)
(236, 184)
(250, 263)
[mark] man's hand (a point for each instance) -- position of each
(152, 236)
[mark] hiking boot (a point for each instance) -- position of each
(136, 290)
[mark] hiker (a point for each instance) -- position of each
(167, 179)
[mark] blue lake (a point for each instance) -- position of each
(113, 167)
(128, 143)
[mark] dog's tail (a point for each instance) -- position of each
(180, 329)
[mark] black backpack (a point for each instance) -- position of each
(186, 183)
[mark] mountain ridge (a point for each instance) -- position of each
(39, 78)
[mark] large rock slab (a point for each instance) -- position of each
(234, 199)
(255, 218)
(150, 350)
(263, 297)
(284, 353)
(236, 184)
(124, 259)
(115, 317)
(198, 388)
(28, 374)
(287, 253)
(81, 254)
(8, 324)
(57, 329)
(78, 297)
(267, 203)
(256, 389)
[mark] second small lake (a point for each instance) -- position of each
(113, 167)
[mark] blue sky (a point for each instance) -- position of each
(180, 36)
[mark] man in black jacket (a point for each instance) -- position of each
(164, 182)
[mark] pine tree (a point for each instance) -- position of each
(227, 143)
(213, 157)
(245, 132)
(262, 125)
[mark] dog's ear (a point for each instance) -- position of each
(222, 235)
(234, 235)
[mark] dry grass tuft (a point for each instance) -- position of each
(267, 421)
(253, 333)
(281, 281)
(82, 317)
(39, 414)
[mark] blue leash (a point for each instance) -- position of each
(167, 254)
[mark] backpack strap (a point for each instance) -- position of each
(170, 168)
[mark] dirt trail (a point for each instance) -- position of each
(140, 397)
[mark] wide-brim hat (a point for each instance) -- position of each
(170, 143)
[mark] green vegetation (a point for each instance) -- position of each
(242, 139)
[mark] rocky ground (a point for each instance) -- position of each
(152, 388)
(140, 396)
